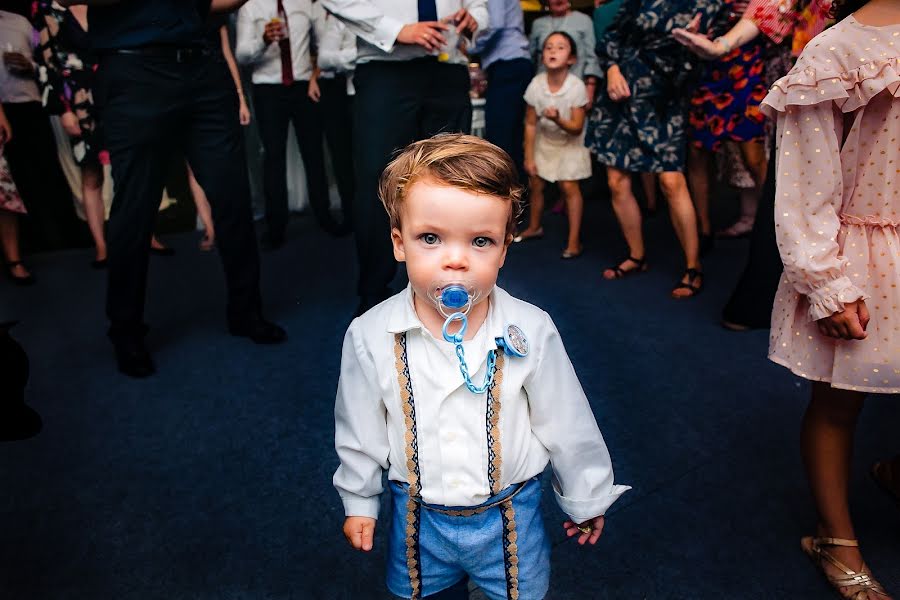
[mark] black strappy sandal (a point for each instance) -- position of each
(641, 267)
(691, 274)
(10, 264)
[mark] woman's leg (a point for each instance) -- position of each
(684, 220)
(94, 211)
(204, 211)
(754, 156)
(827, 445)
(698, 168)
(574, 210)
(9, 239)
(535, 207)
(629, 216)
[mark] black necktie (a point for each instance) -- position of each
(427, 10)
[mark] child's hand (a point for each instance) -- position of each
(590, 530)
(530, 167)
(552, 113)
(360, 531)
(849, 324)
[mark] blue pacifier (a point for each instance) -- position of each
(456, 299)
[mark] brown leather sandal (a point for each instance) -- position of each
(852, 585)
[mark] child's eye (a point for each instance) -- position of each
(430, 238)
(482, 242)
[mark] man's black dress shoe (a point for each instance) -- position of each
(133, 358)
(259, 331)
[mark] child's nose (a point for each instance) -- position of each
(456, 258)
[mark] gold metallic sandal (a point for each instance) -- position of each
(859, 585)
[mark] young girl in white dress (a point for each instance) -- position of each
(554, 138)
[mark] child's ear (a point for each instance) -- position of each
(572, 60)
(397, 241)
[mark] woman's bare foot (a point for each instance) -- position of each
(156, 244)
(18, 271)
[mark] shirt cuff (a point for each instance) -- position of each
(585, 509)
(384, 36)
(361, 506)
(831, 298)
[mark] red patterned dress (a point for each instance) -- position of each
(725, 105)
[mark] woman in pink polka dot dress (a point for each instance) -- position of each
(836, 319)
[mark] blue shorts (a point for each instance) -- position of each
(482, 546)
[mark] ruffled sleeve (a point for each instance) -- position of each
(812, 83)
(808, 199)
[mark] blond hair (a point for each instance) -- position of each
(456, 160)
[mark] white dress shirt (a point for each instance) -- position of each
(378, 22)
(16, 36)
(265, 60)
(544, 413)
(336, 46)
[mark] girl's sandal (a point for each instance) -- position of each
(618, 272)
(883, 474)
(852, 585)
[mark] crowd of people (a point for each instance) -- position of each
(671, 96)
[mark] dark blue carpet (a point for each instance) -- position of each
(213, 479)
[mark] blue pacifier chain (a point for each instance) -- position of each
(457, 298)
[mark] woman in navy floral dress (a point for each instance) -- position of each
(639, 124)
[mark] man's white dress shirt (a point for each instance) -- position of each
(544, 413)
(265, 60)
(378, 22)
(336, 46)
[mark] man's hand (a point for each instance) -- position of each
(850, 324)
(617, 85)
(70, 123)
(360, 532)
(590, 530)
(465, 22)
(18, 64)
(274, 32)
(314, 93)
(427, 34)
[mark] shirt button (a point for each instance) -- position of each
(450, 436)
(455, 483)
